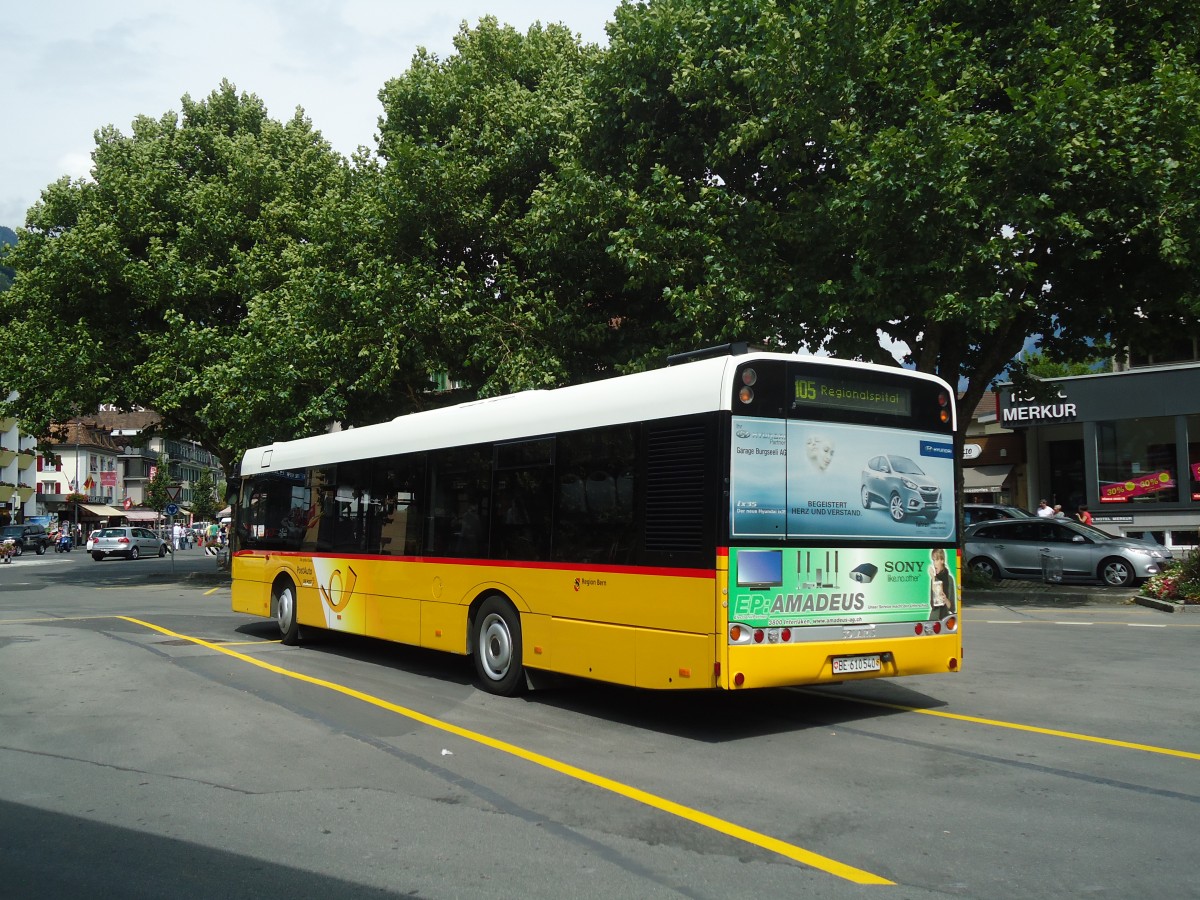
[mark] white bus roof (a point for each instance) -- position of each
(705, 385)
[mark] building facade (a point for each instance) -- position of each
(1125, 444)
(105, 462)
(18, 487)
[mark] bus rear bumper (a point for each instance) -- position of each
(829, 662)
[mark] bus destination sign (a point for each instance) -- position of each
(814, 390)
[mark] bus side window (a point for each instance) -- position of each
(401, 485)
(594, 509)
(523, 497)
(458, 502)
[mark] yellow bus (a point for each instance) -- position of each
(734, 520)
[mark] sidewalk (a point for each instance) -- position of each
(1013, 592)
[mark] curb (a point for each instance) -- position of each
(1054, 596)
(1165, 605)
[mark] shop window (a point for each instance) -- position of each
(1193, 474)
(1137, 461)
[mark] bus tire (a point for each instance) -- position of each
(283, 601)
(497, 647)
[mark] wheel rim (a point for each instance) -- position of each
(285, 610)
(133, 554)
(1116, 574)
(495, 646)
(866, 498)
(985, 569)
(897, 508)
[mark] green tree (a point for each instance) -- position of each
(464, 145)
(167, 281)
(205, 504)
(951, 176)
(158, 493)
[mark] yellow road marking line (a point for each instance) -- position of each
(722, 826)
(1016, 726)
(54, 619)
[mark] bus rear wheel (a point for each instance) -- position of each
(497, 647)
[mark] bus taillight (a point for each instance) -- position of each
(749, 379)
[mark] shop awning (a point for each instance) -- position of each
(985, 478)
(140, 515)
(101, 510)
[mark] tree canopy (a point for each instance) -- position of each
(162, 281)
(952, 176)
(943, 176)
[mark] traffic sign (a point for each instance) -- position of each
(172, 509)
(173, 491)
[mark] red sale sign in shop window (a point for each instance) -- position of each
(1121, 491)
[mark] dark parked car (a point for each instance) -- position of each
(128, 542)
(985, 512)
(1014, 548)
(26, 537)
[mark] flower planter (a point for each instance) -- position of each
(6, 457)
(25, 459)
(7, 424)
(25, 493)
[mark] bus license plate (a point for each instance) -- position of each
(847, 665)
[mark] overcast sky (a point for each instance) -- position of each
(73, 66)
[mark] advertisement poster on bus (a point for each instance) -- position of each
(822, 479)
(845, 586)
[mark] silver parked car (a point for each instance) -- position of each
(128, 542)
(983, 512)
(1014, 548)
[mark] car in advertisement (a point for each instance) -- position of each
(902, 486)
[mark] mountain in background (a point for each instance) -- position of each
(7, 236)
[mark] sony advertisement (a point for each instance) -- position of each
(803, 479)
(790, 587)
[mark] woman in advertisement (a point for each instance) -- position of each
(941, 585)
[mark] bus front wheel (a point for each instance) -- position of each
(284, 601)
(497, 647)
